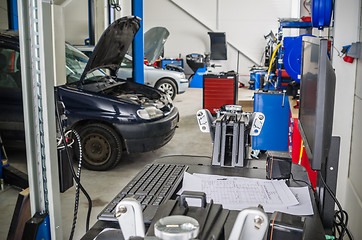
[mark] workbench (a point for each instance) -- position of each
(255, 169)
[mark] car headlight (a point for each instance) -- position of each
(149, 112)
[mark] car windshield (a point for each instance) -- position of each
(75, 64)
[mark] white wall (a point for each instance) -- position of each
(245, 24)
(347, 114)
(4, 15)
(76, 21)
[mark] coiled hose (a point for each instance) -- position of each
(77, 190)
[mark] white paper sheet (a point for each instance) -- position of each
(237, 193)
(305, 205)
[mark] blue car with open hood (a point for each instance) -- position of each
(111, 115)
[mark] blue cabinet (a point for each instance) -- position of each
(274, 135)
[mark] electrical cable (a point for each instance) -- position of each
(302, 181)
(76, 201)
(341, 215)
(306, 7)
(272, 226)
(338, 52)
(77, 180)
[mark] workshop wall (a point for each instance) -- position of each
(3, 15)
(245, 24)
(76, 21)
(348, 112)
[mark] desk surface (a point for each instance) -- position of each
(255, 169)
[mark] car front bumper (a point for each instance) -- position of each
(184, 84)
(144, 137)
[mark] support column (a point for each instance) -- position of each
(13, 14)
(138, 48)
(37, 72)
(91, 24)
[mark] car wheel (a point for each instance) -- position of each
(101, 147)
(167, 86)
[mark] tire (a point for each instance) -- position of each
(101, 147)
(167, 86)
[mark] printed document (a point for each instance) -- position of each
(237, 193)
(305, 204)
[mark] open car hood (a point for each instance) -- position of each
(154, 39)
(112, 45)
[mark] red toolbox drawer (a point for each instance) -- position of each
(219, 90)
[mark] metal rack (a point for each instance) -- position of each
(230, 142)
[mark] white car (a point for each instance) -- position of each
(168, 81)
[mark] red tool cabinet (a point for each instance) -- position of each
(219, 90)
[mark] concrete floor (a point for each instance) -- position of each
(103, 186)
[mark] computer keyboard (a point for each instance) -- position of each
(152, 186)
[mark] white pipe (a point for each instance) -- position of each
(106, 14)
(295, 13)
(217, 15)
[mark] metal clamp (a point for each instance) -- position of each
(256, 123)
(251, 223)
(130, 218)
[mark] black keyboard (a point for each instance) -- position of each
(154, 185)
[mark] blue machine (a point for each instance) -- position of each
(290, 55)
(176, 62)
(292, 58)
(198, 64)
(258, 79)
(252, 80)
(321, 13)
(275, 107)
(198, 79)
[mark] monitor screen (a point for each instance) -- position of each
(218, 46)
(316, 100)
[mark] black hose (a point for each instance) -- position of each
(76, 179)
(76, 201)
